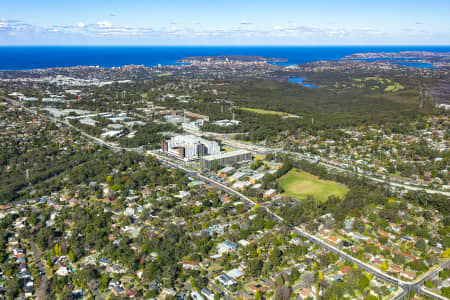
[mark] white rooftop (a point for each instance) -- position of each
(226, 155)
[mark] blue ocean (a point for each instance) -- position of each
(36, 57)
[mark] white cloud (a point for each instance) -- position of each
(284, 33)
(366, 29)
(296, 31)
(9, 21)
(103, 24)
(15, 26)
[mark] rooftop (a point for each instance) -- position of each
(226, 155)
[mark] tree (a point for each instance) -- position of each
(446, 292)
(320, 276)
(57, 250)
(254, 267)
(12, 289)
(359, 225)
(71, 256)
(275, 256)
(429, 284)
(103, 282)
(421, 245)
(335, 291)
(418, 265)
(200, 282)
(279, 281)
(43, 237)
(270, 157)
(295, 274)
(363, 283)
(399, 259)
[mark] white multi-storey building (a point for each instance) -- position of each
(189, 147)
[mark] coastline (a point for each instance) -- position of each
(25, 58)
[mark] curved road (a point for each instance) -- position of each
(393, 184)
(407, 286)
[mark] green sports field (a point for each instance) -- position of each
(264, 111)
(300, 184)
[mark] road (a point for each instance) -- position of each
(403, 295)
(250, 147)
(423, 291)
(428, 293)
(407, 286)
(375, 271)
(42, 290)
(434, 273)
(256, 148)
(66, 123)
(392, 184)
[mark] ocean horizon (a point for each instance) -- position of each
(41, 57)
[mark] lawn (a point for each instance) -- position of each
(390, 86)
(394, 87)
(259, 157)
(228, 149)
(300, 184)
(265, 112)
(165, 74)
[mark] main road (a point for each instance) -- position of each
(406, 286)
(250, 147)
(340, 169)
(257, 148)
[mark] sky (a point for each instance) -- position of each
(231, 22)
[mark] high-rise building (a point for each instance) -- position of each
(189, 147)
